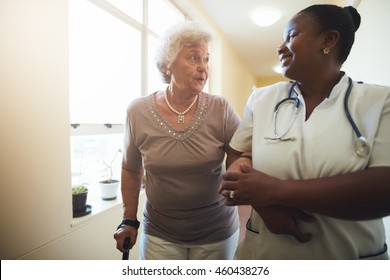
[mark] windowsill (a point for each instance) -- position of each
(99, 206)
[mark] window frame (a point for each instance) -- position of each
(85, 129)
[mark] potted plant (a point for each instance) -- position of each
(109, 187)
(79, 200)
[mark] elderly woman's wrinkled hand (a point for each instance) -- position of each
(121, 234)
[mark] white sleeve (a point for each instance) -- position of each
(242, 138)
(381, 148)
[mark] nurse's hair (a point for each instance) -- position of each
(186, 33)
(331, 17)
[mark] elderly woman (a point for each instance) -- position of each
(321, 159)
(179, 136)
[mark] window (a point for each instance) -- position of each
(105, 65)
(161, 15)
(111, 62)
(91, 146)
(133, 8)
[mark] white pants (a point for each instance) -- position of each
(155, 248)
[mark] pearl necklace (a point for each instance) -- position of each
(180, 115)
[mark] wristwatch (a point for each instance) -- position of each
(128, 222)
(246, 156)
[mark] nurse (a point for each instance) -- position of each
(315, 193)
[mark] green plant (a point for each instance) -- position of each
(78, 189)
(109, 167)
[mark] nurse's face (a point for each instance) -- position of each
(301, 51)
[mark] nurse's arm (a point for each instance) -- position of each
(359, 195)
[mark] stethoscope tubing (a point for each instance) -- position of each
(362, 147)
(346, 109)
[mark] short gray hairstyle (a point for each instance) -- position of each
(186, 33)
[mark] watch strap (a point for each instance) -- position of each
(246, 156)
(128, 222)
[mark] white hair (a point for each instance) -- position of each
(186, 33)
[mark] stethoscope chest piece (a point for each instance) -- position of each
(362, 147)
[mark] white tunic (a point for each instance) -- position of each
(323, 147)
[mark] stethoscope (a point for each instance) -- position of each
(362, 147)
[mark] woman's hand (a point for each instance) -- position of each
(121, 234)
(248, 187)
(235, 166)
(255, 188)
(284, 220)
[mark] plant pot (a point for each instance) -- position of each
(79, 204)
(109, 191)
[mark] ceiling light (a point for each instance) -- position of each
(265, 16)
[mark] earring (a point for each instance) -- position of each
(168, 72)
(326, 50)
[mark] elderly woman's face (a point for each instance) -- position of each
(190, 69)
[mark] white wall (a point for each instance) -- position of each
(35, 200)
(35, 197)
(369, 59)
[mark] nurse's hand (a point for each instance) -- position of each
(248, 187)
(284, 220)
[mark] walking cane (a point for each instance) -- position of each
(126, 245)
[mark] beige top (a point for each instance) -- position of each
(183, 168)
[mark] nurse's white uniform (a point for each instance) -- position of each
(324, 146)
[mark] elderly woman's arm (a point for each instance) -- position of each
(233, 160)
(131, 186)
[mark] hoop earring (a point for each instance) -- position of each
(168, 72)
(326, 50)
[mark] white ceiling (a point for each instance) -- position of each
(256, 45)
